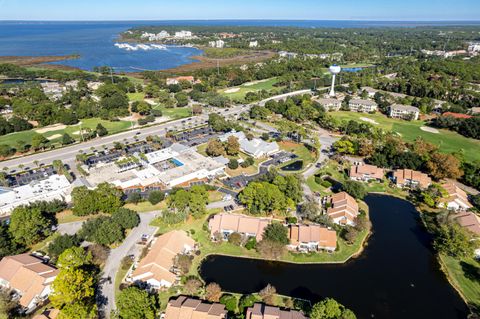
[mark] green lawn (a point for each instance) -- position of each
(447, 141)
(238, 93)
(300, 150)
(464, 276)
(175, 113)
(73, 130)
(136, 97)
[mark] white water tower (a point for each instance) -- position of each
(334, 69)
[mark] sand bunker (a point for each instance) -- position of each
(255, 82)
(54, 136)
(78, 132)
(50, 128)
(234, 90)
(429, 129)
(366, 119)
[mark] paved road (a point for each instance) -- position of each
(68, 154)
(113, 263)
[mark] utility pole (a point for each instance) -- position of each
(218, 67)
(111, 73)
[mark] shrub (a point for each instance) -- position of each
(233, 164)
(230, 302)
(235, 239)
(156, 197)
(251, 243)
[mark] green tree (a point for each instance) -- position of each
(233, 164)
(101, 130)
(8, 246)
(60, 244)
(276, 232)
(344, 147)
(326, 309)
(39, 141)
(67, 139)
(260, 197)
(182, 99)
(214, 148)
(108, 198)
(355, 189)
(136, 303)
(156, 197)
(453, 240)
(84, 201)
(126, 218)
(29, 226)
(233, 146)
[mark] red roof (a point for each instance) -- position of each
(457, 115)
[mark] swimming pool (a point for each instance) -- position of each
(176, 162)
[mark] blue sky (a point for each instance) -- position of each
(239, 9)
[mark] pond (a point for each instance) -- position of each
(292, 167)
(397, 275)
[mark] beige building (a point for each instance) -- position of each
(410, 178)
(308, 238)
(29, 277)
(366, 106)
(261, 311)
(366, 173)
(330, 104)
(405, 112)
(158, 267)
(342, 208)
(226, 224)
(457, 198)
(189, 308)
(468, 220)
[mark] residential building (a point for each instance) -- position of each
(29, 277)
(190, 308)
(330, 104)
(371, 91)
(457, 198)
(217, 44)
(308, 238)
(475, 110)
(410, 178)
(358, 105)
(226, 224)
(405, 112)
(49, 189)
(253, 44)
(178, 79)
(255, 147)
(157, 267)
(366, 173)
(183, 34)
(468, 220)
(341, 208)
(474, 47)
(262, 311)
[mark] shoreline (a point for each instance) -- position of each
(26, 61)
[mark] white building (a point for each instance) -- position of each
(359, 105)
(404, 112)
(54, 187)
(217, 44)
(255, 147)
(155, 37)
(183, 34)
(253, 44)
(474, 47)
(330, 104)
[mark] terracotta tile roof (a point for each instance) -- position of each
(403, 176)
(366, 172)
(189, 308)
(238, 223)
(325, 237)
(28, 275)
(261, 311)
(468, 220)
(457, 115)
(342, 205)
(160, 259)
(456, 194)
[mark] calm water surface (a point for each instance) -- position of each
(397, 275)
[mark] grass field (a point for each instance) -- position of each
(136, 97)
(55, 136)
(465, 276)
(239, 92)
(447, 141)
(298, 149)
(175, 113)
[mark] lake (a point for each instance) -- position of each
(397, 276)
(95, 42)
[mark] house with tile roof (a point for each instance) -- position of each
(29, 277)
(456, 199)
(410, 178)
(366, 173)
(262, 311)
(227, 224)
(310, 238)
(191, 308)
(157, 268)
(341, 208)
(469, 221)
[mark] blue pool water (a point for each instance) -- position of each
(176, 162)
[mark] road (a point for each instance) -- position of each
(69, 153)
(129, 247)
(69, 228)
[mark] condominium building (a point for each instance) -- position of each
(330, 104)
(366, 173)
(308, 238)
(456, 200)
(227, 224)
(262, 311)
(191, 308)
(405, 112)
(366, 106)
(410, 178)
(341, 208)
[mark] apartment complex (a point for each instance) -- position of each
(341, 208)
(359, 105)
(29, 277)
(410, 178)
(405, 112)
(190, 308)
(309, 238)
(366, 173)
(227, 224)
(457, 198)
(468, 220)
(262, 311)
(157, 267)
(330, 104)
